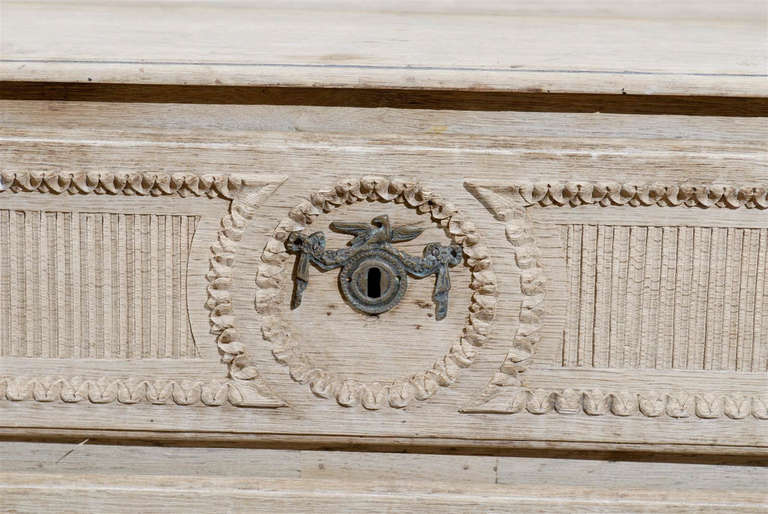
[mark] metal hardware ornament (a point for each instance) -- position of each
(374, 274)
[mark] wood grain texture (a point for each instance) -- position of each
(633, 340)
(394, 98)
(699, 410)
(714, 50)
(178, 494)
(606, 343)
(142, 266)
(273, 478)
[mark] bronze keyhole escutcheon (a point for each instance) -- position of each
(374, 274)
(373, 282)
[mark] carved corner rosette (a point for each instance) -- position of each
(506, 393)
(271, 302)
(242, 387)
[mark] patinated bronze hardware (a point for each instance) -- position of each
(374, 274)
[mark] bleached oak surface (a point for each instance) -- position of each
(119, 478)
(210, 494)
(650, 48)
(105, 299)
(285, 154)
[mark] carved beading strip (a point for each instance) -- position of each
(614, 193)
(677, 404)
(142, 184)
(399, 392)
(519, 233)
(179, 391)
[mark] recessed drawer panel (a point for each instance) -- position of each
(398, 277)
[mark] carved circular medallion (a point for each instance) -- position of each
(272, 299)
(373, 281)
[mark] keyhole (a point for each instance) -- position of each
(374, 283)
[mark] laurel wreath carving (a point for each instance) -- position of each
(233, 352)
(219, 302)
(397, 393)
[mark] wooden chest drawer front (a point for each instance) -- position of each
(612, 292)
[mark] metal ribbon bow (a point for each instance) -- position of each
(375, 239)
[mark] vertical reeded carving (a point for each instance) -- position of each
(94, 285)
(666, 297)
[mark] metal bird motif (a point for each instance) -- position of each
(372, 248)
(378, 230)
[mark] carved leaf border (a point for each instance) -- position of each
(685, 194)
(140, 184)
(128, 391)
(675, 404)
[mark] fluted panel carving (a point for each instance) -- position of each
(674, 297)
(94, 285)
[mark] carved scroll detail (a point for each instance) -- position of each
(399, 392)
(674, 404)
(179, 391)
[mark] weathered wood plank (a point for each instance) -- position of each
(714, 49)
